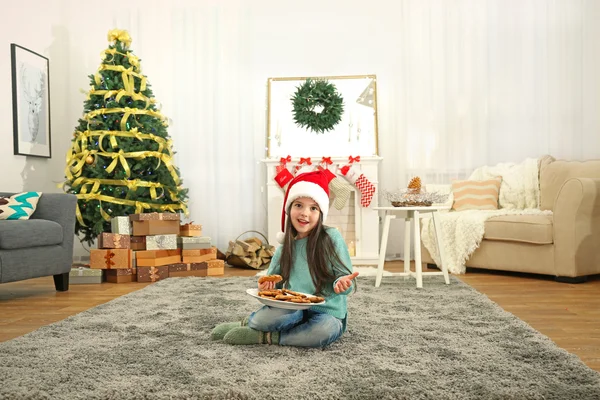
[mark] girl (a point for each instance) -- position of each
(313, 259)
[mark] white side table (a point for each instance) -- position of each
(411, 214)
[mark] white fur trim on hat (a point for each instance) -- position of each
(280, 237)
(312, 190)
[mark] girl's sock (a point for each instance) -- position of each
(246, 335)
(221, 330)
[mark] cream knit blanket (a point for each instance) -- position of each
(462, 232)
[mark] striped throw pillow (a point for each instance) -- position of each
(476, 195)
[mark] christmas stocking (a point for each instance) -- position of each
(366, 188)
(339, 188)
(283, 175)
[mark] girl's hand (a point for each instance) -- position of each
(266, 285)
(344, 283)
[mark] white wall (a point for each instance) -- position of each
(208, 62)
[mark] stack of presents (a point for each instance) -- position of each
(147, 248)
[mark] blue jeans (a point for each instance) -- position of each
(301, 328)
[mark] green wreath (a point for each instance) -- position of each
(317, 106)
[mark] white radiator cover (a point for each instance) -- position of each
(357, 223)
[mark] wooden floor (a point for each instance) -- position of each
(567, 313)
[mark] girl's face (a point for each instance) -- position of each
(304, 214)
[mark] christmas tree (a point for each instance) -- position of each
(120, 161)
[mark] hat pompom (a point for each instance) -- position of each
(280, 237)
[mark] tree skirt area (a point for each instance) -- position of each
(439, 342)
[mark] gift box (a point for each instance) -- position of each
(194, 243)
(215, 268)
(190, 230)
(120, 225)
(154, 216)
(83, 275)
(110, 258)
(155, 227)
(189, 269)
(198, 255)
(155, 258)
(152, 274)
(120, 275)
(113, 241)
(161, 242)
(198, 259)
(137, 242)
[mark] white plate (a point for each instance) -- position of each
(283, 304)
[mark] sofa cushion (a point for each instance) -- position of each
(29, 233)
(19, 206)
(535, 229)
(476, 195)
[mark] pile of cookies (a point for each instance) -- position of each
(285, 294)
(289, 295)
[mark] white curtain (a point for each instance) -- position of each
(461, 83)
(482, 82)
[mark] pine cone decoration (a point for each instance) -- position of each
(415, 185)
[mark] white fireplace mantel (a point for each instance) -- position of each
(366, 220)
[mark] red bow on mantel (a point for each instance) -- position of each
(306, 161)
(354, 159)
(285, 160)
(326, 161)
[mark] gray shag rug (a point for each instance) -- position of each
(439, 342)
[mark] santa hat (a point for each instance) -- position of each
(309, 184)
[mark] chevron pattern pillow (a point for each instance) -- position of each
(19, 206)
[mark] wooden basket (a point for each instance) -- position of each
(250, 253)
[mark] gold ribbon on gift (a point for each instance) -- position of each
(108, 259)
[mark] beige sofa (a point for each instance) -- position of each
(566, 244)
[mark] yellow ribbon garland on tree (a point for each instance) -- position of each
(77, 155)
(139, 205)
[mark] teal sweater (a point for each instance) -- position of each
(301, 281)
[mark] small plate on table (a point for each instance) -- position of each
(283, 304)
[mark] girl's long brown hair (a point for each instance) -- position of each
(320, 253)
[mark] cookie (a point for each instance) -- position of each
(270, 278)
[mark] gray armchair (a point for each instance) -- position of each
(41, 245)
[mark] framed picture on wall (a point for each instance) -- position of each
(297, 105)
(31, 102)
